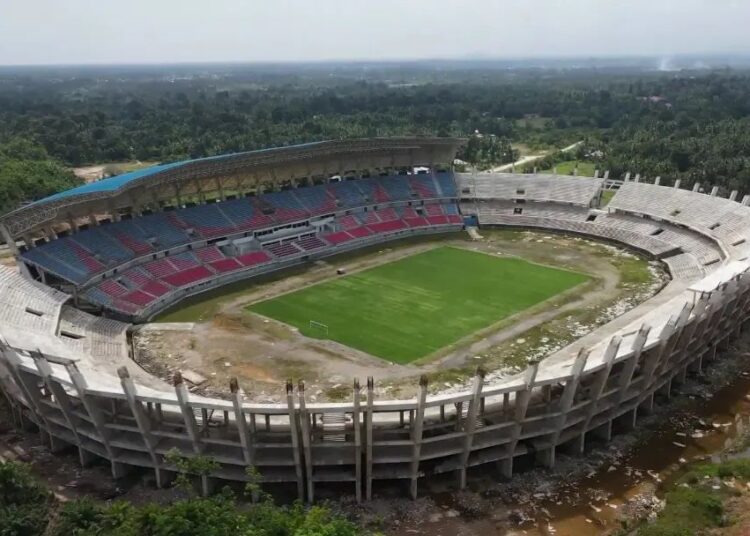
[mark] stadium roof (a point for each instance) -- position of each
(274, 165)
(118, 182)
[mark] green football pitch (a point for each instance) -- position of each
(414, 306)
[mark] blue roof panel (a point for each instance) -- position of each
(112, 184)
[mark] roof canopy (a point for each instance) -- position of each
(236, 172)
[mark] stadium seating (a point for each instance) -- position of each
(284, 249)
(348, 193)
(316, 200)
(423, 186)
(188, 277)
(207, 220)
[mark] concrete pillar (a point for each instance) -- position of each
(677, 183)
(469, 425)
(600, 381)
(523, 397)
(566, 402)
(627, 176)
(696, 186)
(606, 175)
(733, 195)
(246, 439)
(304, 421)
(92, 220)
(626, 376)
(143, 423)
(63, 402)
(356, 424)
(416, 435)
(294, 433)
(746, 200)
(368, 437)
(96, 416)
(657, 180)
(8, 238)
(30, 389)
(596, 173)
(714, 191)
(637, 177)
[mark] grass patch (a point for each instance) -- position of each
(694, 506)
(607, 196)
(413, 307)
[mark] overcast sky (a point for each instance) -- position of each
(158, 31)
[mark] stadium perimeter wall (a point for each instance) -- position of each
(553, 404)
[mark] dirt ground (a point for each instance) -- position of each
(264, 353)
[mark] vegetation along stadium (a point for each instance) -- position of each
(348, 313)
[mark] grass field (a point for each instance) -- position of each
(412, 307)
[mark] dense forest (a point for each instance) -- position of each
(691, 125)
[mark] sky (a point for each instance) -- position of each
(172, 31)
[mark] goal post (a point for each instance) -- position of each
(319, 326)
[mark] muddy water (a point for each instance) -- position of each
(592, 505)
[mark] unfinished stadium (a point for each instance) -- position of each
(127, 247)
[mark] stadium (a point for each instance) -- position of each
(98, 261)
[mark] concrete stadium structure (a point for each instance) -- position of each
(68, 372)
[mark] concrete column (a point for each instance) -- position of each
(356, 394)
(416, 435)
(677, 183)
(63, 402)
(523, 397)
(596, 173)
(294, 433)
(246, 439)
(626, 376)
(627, 176)
(600, 381)
(31, 393)
(637, 177)
(8, 238)
(696, 186)
(714, 191)
(733, 195)
(606, 175)
(304, 421)
(470, 424)
(566, 401)
(657, 180)
(92, 220)
(368, 437)
(746, 200)
(191, 425)
(143, 422)
(96, 416)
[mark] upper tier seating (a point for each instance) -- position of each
(423, 186)
(207, 220)
(282, 206)
(447, 183)
(316, 200)
(573, 190)
(348, 193)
